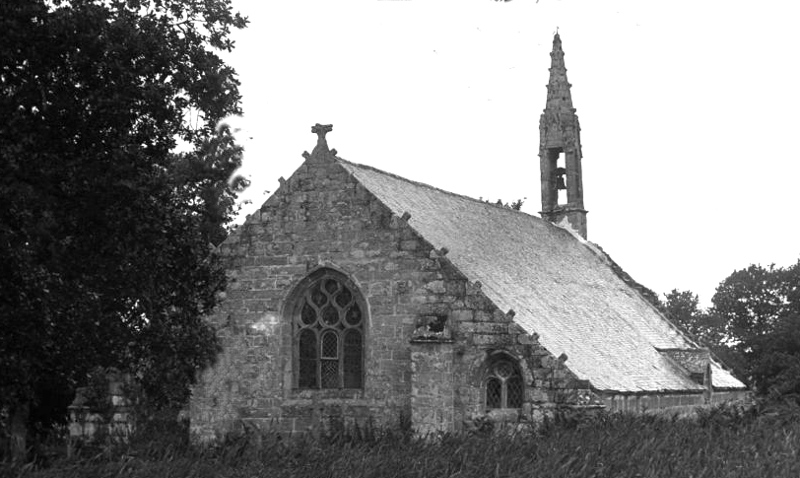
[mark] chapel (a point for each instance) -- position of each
(361, 297)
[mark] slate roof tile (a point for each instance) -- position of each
(560, 286)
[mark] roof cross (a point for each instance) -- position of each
(321, 130)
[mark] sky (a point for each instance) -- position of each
(688, 112)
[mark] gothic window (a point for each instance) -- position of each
(504, 387)
(328, 333)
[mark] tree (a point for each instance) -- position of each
(105, 230)
(751, 302)
(683, 309)
(760, 309)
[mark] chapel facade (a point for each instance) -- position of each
(362, 297)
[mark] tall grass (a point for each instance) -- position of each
(717, 443)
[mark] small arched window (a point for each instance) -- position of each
(504, 388)
(328, 332)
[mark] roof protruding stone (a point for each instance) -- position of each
(322, 144)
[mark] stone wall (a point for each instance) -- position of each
(102, 409)
(322, 218)
(433, 388)
(635, 403)
(671, 402)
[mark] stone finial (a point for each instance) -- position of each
(322, 144)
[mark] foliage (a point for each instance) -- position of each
(105, 228)
(753, 325)
(682, 308)
(723, 442)
(515, 205)
(760, 309)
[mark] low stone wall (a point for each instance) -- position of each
(644, 403)
(101, 409)
(670, 402)
(731, 396)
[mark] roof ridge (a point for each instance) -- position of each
(425, 185)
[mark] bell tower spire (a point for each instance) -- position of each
(560, 150)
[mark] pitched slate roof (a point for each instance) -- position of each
(560, 286)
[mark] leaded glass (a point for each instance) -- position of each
(331, 286)
(504, 369)
(494, 393)
(307, 315)
(353, 315)
(317, 297)
(329, 335)
(352, 359)
(504, 385)
(330, 373)
(343, 298)
(514, 392)
(330, 345)
(329, 315)
(307, 376)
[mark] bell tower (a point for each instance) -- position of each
(560, 150)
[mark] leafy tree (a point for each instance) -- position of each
(775, 369)
(759, 309)
(104, 227)
(751, 302)
(683, 309)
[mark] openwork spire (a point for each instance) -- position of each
(560, 150)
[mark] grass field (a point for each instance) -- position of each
(717, 443)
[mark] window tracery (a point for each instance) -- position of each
(328, 334)
(504, 387)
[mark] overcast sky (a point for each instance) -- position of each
(688, 112)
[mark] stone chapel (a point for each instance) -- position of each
(364, 297)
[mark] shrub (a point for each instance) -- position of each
(718, 442)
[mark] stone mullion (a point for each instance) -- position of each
(317, 333)
(503, 393)
(340, 351)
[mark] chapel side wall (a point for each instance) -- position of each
(482, 331)
(449, 368)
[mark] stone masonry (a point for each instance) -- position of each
(321, 218)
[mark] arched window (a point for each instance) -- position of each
(328, 332)
(504, 388)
